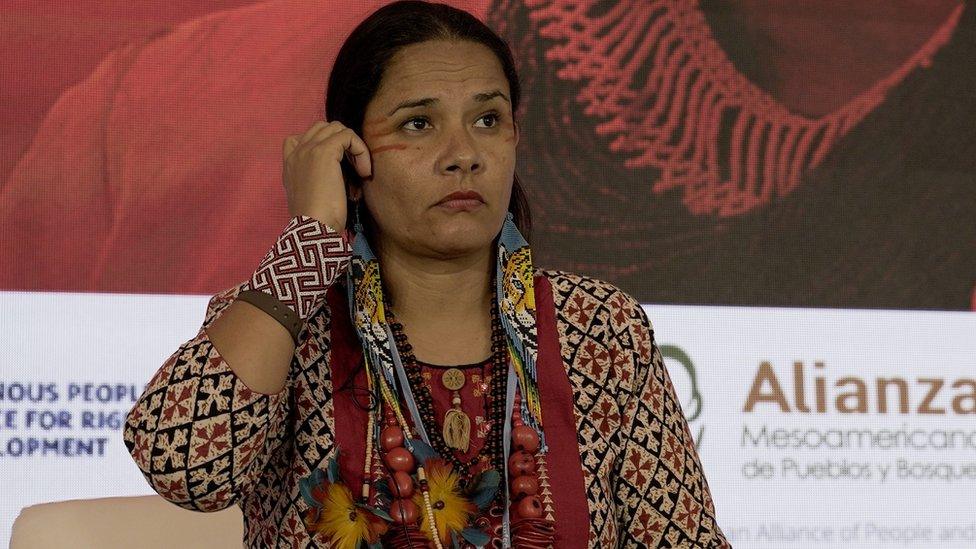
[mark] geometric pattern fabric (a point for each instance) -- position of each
(205, 441)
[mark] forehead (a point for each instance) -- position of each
(441, 69)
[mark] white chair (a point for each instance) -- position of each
(144, 522)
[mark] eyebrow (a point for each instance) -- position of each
(428, 101)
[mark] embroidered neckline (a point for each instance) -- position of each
(480, 364)
(692, 84)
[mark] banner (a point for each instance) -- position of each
(71, 366)
(830, 428)
(790, 191)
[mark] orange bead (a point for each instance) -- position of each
(391, 437)
(405, 511)
(530, 507)
(525, 438)
(521, 463)
(399, 459)
(401, 485)
(525, 485)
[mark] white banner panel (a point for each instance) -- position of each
(817, 428)
(70, 367)
(831, 428)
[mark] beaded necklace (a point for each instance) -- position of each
(439, 507)
(492, 449)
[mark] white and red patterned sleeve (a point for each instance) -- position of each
(306, 259)
(199, 434)
(661, 495)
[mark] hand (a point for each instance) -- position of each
(313, 175)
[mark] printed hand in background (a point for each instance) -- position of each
(161, 172)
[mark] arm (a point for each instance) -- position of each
(289, 284)
(200, 432)
(662, 497)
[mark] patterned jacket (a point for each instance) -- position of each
(622, 465)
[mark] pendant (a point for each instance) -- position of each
(457, 424)
(453, 379)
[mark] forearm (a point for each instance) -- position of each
(256, 347)
(200, 436)
(257, 336)
(209, 420)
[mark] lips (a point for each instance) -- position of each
(462, 195)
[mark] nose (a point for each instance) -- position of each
(461, 153)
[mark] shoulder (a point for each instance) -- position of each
(601, 310)
(571, 290)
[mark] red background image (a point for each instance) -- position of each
(748, 152)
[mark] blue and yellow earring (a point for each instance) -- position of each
(358, 225)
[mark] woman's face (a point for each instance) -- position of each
(440, 122)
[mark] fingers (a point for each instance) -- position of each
(324, 133)
(335, 134)
(316, 127)
(358, 153)
(318, 133)
(311, 136)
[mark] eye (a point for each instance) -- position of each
(493, 117)
(415, 124)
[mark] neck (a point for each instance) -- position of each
(441, 295)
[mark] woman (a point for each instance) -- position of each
(342, 397)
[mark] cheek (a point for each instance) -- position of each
(389, 147)
(392, 158)
(387, 151)
(393, 194)
(504, 147)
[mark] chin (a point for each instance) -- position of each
(460, 238)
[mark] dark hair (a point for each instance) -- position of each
(364, 56)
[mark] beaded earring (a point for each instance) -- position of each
(358, 225)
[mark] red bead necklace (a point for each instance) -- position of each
(529, 530)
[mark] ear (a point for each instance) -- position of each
(516, 133)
